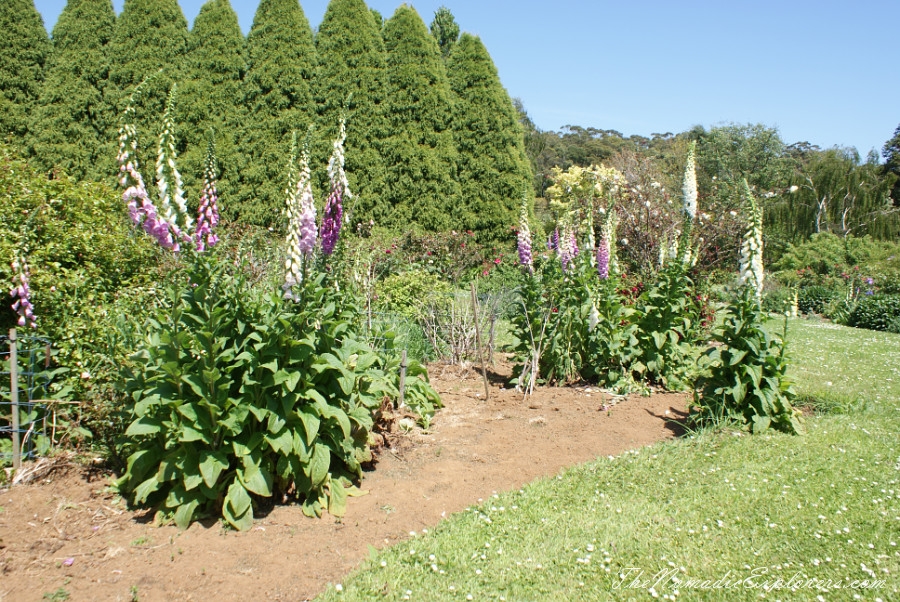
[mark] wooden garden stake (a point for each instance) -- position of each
(14, 397)
(400, 401)
(478, 343)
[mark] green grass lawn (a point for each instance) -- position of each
(721, 516)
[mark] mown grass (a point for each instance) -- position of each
(808, 516)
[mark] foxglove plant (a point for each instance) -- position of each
(168, 178)
(340, 192)
(603, 257)
(553, 241)
(208, 214)
(689, 210)
(566, 249)
(751, 268)
(524, 239)
(21, 292)
(294, 212)
(141, 209)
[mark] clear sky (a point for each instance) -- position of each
(819, 71)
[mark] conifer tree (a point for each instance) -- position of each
(420, 153)
(71, 122)
(445, 30)
(351, 66)
(493, 165)
(24, 48)
(210, 98)
(282, 62)
(150, 41)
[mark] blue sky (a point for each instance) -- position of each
(820, 71)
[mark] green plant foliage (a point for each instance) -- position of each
(493, 167)
(150, 41)
(71, 121)
(572, 326)
(420, 153)
(24, 47)
(410, 293)
(891, 154)
(813, 299)
(84, 259)
(350, 81)
(746, 380)
(835, 191)
(668, 328)
(237, 396)
(281, 64)
(876, 312)
(210, 96)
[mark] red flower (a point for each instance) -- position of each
(497, 261)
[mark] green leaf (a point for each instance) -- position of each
(283, 443)
(237, 509)
(195, 383)
(319, 464)
(292, 380)
(310, 425)
(144, 426)
(144, 490)
(337, 499)
(256, 480)
(211, 466)
(185, 514)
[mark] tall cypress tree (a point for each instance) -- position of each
(420, 153)
(211, 96)
(24, 48)
(71, 122)
(493, 167)
(277, 95)
(150, 35)
(351, 65)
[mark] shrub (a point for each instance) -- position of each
(746, 380)
(237, 396)
(876, 312)
(812, 299)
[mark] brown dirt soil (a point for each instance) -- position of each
(68, 531)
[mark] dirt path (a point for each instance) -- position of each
(69, 532)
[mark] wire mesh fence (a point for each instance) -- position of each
(24, 361)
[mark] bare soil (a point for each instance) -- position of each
(67, 530)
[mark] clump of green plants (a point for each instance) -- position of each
(746, 369)
(876, 312)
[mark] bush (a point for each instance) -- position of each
(746, 380)
(876, 312)
(813, 299)
(237, 396)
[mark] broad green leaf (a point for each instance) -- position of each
(237, 498)
(310, 425)
(196, 384)
(144, 426)
(211, 466)
(144, 490)
(337, 499)
(319, 464)
(257, 480)
(185, 514)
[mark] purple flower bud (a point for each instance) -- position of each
(331, 219)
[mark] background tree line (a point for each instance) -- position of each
(433, 137)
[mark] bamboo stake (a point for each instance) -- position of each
(487, 391)
(14, 398)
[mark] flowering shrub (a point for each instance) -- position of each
(746, 369)
(238, 395)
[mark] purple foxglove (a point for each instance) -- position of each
(603, 258)
(208, 214)
(553, 242)
(140, 208)
(332, 215)
(524, 239)
(566, 249)
(21, 292)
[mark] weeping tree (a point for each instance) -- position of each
(833, 191)
(24, 47)
(71, 122)
(281, 64)
(420, 154)
(493, 167)
(891, 154)
(210, 97)
(350, 82)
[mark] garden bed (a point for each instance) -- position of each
(67, 534)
